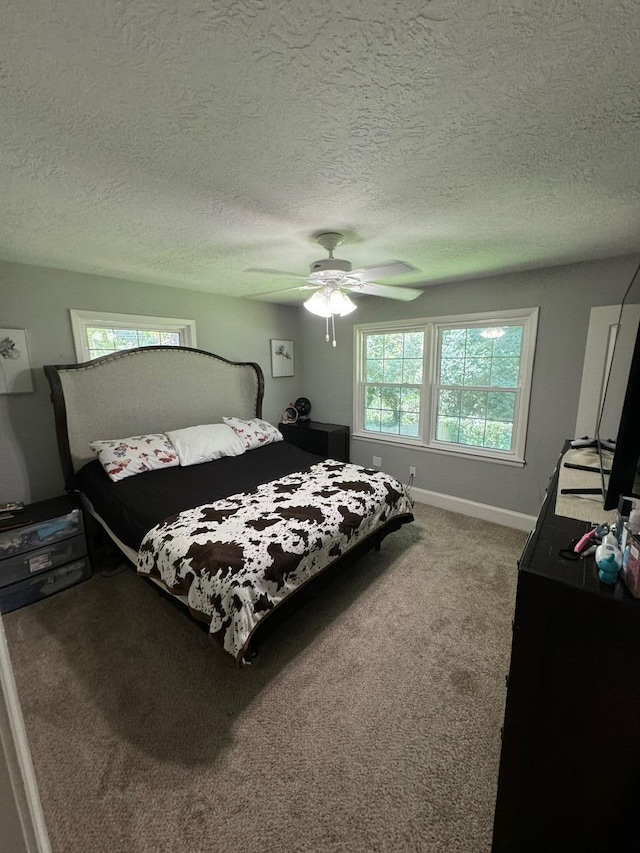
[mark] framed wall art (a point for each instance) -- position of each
(282, 363)
(15, 367)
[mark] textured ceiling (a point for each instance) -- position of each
(181, 141)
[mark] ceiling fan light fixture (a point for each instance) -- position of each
(318, 304)
(339, 303)
(335, 267)
(328, 301)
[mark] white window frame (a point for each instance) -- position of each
(526, 317)
(81, 320)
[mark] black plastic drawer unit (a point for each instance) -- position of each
(40, 586)
(40, 534)
(28, 563)
(43, 550)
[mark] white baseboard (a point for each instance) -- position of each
(14, 749)
(495, 514)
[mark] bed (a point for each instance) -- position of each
(234, 538)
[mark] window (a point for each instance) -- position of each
(454, 384)
(477, 385)
(97, 333)
(393, 382)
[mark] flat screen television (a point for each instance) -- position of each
(619, 418)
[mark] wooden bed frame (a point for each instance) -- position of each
(157, 389)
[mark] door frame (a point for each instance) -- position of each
(15, 753)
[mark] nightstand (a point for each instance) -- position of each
(44, 552)
(328, 440)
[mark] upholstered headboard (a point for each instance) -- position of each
(146, 390)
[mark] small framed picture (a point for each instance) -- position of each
(282, 358)
(15, 367)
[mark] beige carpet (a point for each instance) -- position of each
(369, 723)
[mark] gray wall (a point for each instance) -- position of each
(564, 295)
(38, 299)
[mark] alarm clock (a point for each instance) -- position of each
(290, 415)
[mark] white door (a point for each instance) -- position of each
(601, 338)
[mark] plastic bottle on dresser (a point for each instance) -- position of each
(608, 559)
(631, 526)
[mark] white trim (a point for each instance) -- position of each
(483, 317)
(486, 512)
(526, 317)
(81, 319)
(13, 738)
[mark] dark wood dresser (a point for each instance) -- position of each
(570, 763)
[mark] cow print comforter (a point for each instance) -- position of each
(237, 558)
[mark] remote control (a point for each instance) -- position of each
(584, 442)
(605, 443)
(11, 506)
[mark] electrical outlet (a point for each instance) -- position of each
(377, 461)
(412, 471)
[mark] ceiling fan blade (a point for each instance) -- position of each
(388, 291)
(286, 290)
(274, 272)
(386, 270)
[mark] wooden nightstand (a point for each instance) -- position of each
(45, 553)
(328, 440)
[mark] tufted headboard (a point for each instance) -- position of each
(146, 390)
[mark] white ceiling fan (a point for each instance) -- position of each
(332, 279)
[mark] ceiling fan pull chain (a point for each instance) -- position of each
(333, 328)
(326, 337)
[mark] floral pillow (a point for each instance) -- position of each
(125, 457)
(254, 433)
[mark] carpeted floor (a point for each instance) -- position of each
(370, 722)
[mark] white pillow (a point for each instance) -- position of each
(254, 433)
(205, 442)
(125, 457)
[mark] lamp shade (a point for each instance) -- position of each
(328, 301)
(318, 304)
(339, 303)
